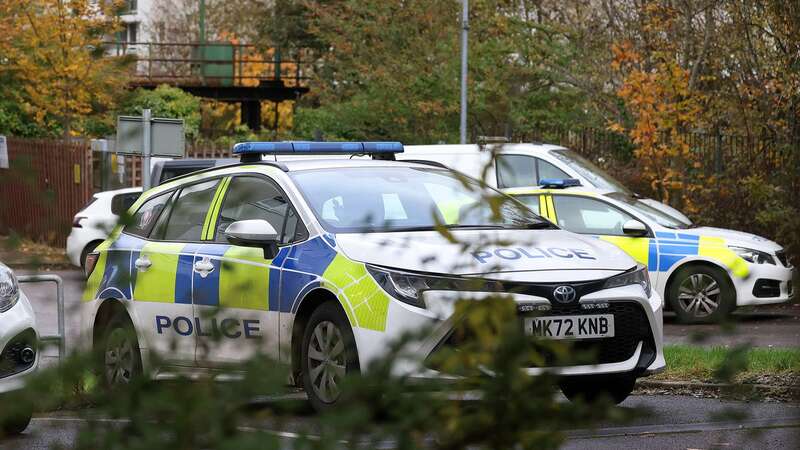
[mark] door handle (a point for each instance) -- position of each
(204, 267)
(142, 263)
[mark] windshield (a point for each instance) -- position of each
(654, 214)
(380, 199)
(589, 170)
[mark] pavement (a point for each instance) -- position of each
(661, 422)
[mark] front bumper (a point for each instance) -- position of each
(766, 284)
(18, 325)
(641, 356)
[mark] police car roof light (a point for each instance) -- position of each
(316, 148)
(554, 183)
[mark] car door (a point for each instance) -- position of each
(160, 284)
(237, 300)
(586, 215)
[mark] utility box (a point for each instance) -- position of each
(216, 63)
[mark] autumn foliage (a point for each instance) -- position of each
(53, 50)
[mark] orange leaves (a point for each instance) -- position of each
(51, 52)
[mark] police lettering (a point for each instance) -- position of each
(484, 256)
(228, 327)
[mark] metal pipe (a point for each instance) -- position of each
(61, 337)
(464, 33)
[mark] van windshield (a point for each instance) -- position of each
(385, 199)
(589, 170)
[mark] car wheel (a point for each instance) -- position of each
(121, 359)
(328, 354)
(18, 421)
(591, 388)
(701, 294)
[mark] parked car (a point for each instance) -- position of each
(19, 356)
(324, 264)
(92, 224)
(519, 165)
(703, 273)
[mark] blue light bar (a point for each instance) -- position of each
(317, 148)
(557, 183)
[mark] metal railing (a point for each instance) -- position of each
(214, 64)
(61, 336)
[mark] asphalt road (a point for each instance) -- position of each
(664, 422)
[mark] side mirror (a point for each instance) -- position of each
(634, 228)
(122, 203)
(254, 233)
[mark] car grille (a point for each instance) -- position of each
(631, 326)
(781, 254)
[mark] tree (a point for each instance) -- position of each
(166, 101)
(54, 51)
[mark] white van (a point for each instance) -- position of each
(522, 165)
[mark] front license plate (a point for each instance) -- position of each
(571, 327)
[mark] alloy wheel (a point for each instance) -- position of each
(699, 295)
(119, 357)
(326, 361)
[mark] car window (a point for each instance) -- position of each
(531, 201)
(249, 198)
(547, 170)
(516, 171)
(125, 201)
(397, 198)
(145, 217)
(589, 216)
(188, 213)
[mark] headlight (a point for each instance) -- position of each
(408, 287)
(753, 256)
(9, 288)
(638, 276)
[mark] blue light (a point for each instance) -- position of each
(553, 183)
(318, 148)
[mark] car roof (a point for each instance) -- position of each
(528, 148)
(118, 191)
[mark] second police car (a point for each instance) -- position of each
(323, 263)
(703, 273)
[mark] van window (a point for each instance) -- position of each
(516, 171)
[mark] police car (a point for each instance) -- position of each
(323, 263)
(703, 273)
(19, 357)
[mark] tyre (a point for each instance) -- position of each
(328, 354)
(18, 421)
(591, 388)
(121, 360)
(701, 294)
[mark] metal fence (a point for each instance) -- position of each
(47, 183)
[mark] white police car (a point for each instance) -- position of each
(703, 273)
(323, 263)
(19, 357)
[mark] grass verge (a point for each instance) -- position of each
(725, 364)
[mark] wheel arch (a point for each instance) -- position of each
(697, 262)
(310, 302)
(108, 310)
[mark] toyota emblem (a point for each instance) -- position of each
(564, 294)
